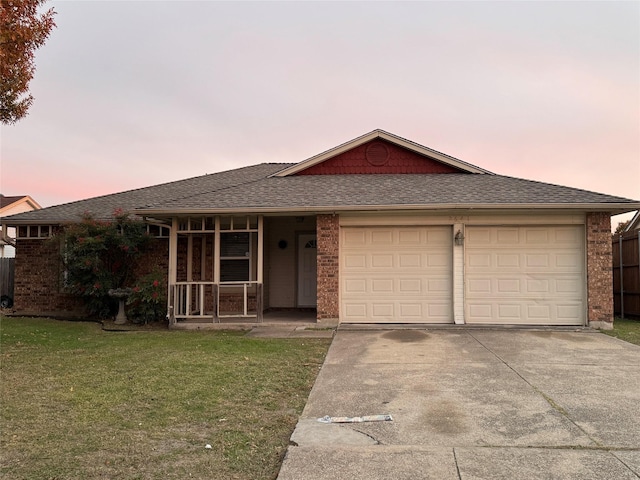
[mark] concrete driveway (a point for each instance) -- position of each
(472, 404)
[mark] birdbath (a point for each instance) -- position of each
(121, 294)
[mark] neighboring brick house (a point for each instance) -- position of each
(376, 230)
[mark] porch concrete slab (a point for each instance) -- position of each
(539, 463)
(539, 402)
(289, 331)
(369, 463)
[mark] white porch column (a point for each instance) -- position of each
(260, 248)
(458, 274)
(172, 274)
(216, 252)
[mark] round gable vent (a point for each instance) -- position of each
(377, 154)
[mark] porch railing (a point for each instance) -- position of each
(212, 301)
(249, 291)
(190, 300)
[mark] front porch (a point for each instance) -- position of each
(242, 270)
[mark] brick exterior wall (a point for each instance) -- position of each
(599, 274)
(38, 278)
(328, 235)
(38, 281)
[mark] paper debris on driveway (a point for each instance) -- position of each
(365, 418)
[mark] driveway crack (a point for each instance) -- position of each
(547, 398)
(378, 442)
(455, 461)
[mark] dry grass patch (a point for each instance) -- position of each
(626, 329)
(81, 403)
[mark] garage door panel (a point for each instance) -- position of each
(355, 261)
(381, 237)
(382, 261)
(396, 275)
(355, 285)
(504, 312)
(410, 260)
(354, 237)
(537, 279)
(409, 237)
(527, 288)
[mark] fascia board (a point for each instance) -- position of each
(319, 158)
(615, 208)
(442, 157)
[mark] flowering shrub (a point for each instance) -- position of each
(148, 300)
(99, 256)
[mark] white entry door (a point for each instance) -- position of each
(307, 270)
(396, 275)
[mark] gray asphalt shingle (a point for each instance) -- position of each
(252, 187)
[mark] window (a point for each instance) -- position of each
(35, 231)
(235, 257)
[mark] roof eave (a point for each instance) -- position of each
(613, 208)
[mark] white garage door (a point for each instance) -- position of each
(525, 275)
(396, 275)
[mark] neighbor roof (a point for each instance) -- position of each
(11, 202)
(634, 224)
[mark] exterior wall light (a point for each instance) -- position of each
(458, 239)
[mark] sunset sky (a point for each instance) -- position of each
(130, 94)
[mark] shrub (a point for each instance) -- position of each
(148, 299)
(99, 256)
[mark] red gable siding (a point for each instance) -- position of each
(378, 156)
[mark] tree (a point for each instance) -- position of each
(22, 31)
(621, 226)
(102, 255)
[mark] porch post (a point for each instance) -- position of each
(259, 306)
(216, 269)
(172, 274)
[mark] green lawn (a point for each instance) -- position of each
(77, 402)
(625, 329)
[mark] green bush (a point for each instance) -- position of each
(99, 256)
(148, 299)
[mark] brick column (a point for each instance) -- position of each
(599, 273)
(328, 235)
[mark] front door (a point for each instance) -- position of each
(307, 255)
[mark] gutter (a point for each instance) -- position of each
(614, 208)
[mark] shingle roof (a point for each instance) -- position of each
(254, 189)
(103, 207)
(342, 192)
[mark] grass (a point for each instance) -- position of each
(81, 403)
(625, 329)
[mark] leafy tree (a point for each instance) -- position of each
(22, 31)
(102, 255)
(621, 226)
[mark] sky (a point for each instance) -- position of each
(135, 93)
